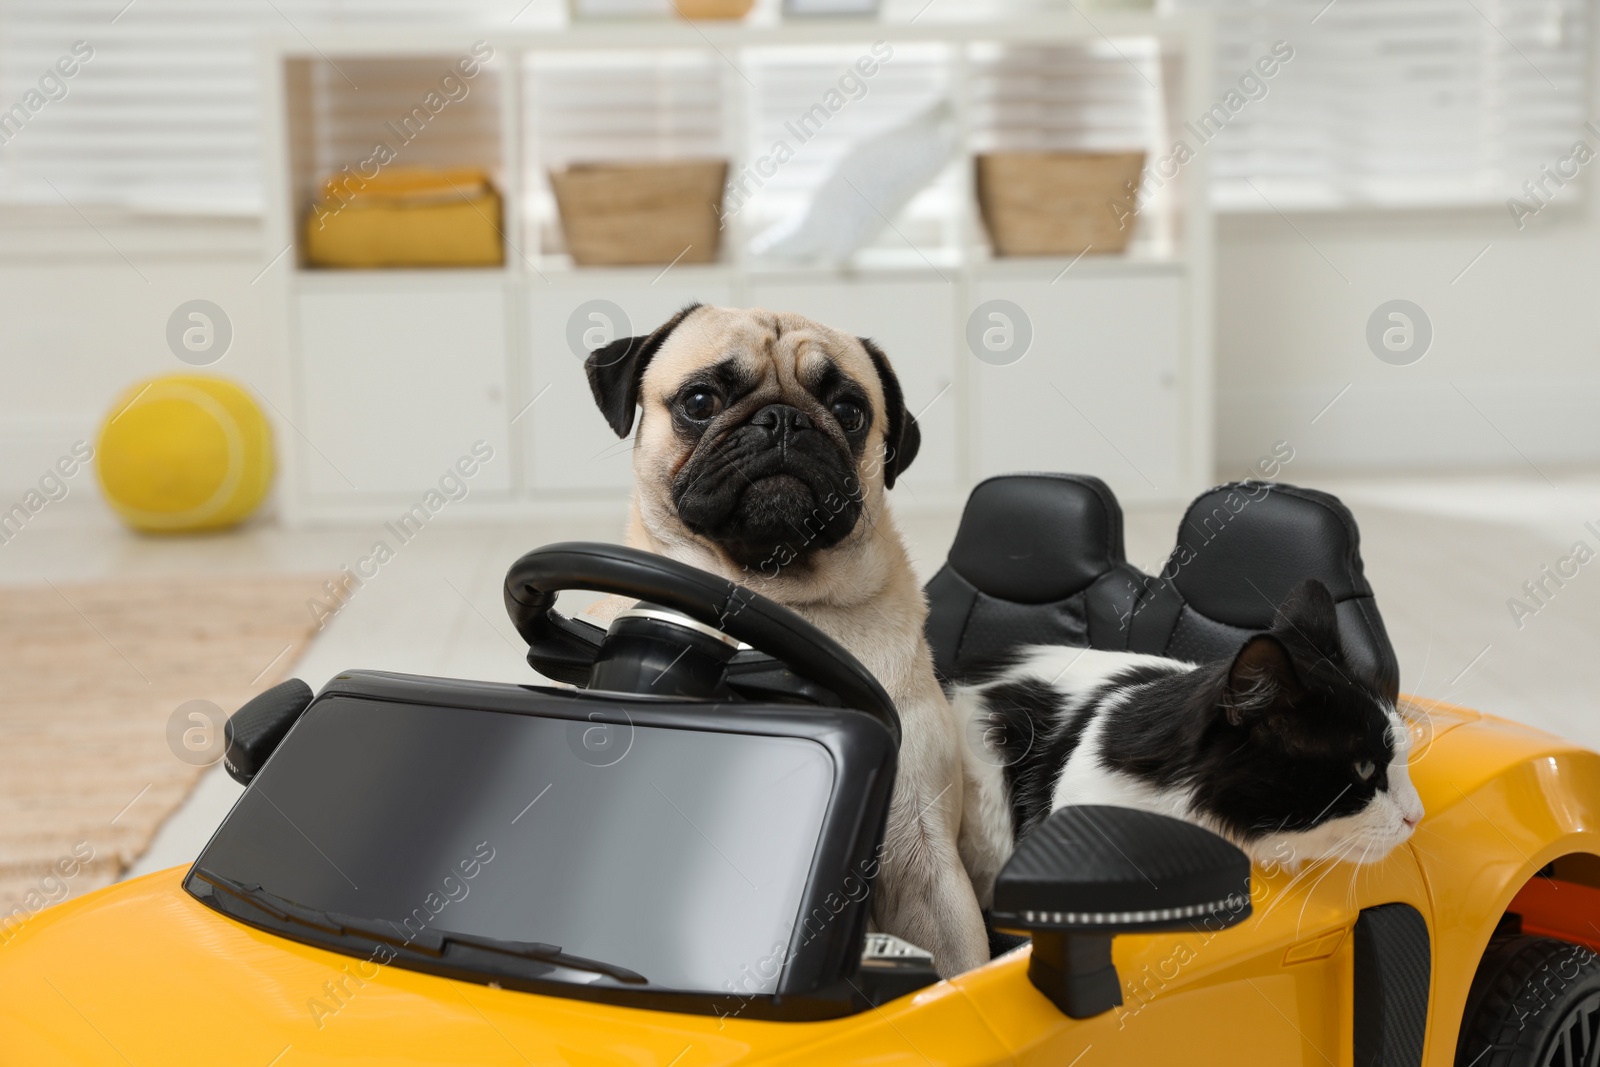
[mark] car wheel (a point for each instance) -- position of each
(1535, 1002)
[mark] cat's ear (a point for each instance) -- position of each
(1308, 617)
(1261, 680)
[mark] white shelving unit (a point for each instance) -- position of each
(396, 373)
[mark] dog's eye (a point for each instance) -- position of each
(1365, 769)
(700, 405)
(850, 415)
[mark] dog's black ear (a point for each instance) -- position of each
(902, 437)
(615, 371)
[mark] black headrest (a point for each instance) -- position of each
(1038, 559)
(1033, 538)
(1241, 547)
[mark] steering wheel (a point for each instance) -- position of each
(566, 649)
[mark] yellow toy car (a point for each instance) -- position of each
(673, 865)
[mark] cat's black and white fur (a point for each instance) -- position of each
(1283, 750)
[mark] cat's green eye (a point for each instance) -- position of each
(1365, 770)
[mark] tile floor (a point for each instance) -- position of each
(1444, 554)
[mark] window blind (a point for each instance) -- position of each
(1385, 103)
(162, 112)
(1394, 103)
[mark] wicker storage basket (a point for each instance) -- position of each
(1058, 203)
(635, 214)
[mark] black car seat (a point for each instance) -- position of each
(1241, 547)
(1038, 559)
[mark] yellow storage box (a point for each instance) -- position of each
(406, 217)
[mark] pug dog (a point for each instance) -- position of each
(765, 445)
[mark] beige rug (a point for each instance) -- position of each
(90, 677)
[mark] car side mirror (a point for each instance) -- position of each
(1089, 872)
(254, 731)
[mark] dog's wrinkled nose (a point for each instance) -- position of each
(781, 420)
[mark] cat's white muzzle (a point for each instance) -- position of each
(1366, 837)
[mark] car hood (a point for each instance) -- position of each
(1455, 749)
(142, 973)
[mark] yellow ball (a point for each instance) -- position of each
(184, 452)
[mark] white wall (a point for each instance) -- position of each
(83, 315)
(1511, 382)
(1516, 336)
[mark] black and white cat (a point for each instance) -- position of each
(1283, 750)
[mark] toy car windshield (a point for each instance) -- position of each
(516, 835)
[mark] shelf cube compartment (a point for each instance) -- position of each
(396, 162)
